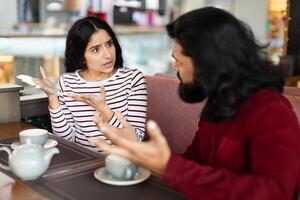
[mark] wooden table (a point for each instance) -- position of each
(20, 190)
(70, 176)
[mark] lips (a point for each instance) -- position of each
(108, 64)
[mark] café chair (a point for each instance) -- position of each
(178, 120)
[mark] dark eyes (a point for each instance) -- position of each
(110, 43)
(95, 50)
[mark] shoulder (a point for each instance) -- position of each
(126, 70)
(266, 99)
(133, 73)
(69, 78)
(269, 110)
(69, 75)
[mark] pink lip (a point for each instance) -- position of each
(108, 63)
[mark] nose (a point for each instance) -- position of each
(174, 66)
(106, 53)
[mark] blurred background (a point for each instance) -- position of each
(33, 32)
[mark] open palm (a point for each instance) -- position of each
(94, 100)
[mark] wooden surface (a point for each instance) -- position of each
(9, 130)
(19, 190)
(72, 158)
(71, 176)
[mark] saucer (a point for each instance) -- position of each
(49, 144)
(102, 175)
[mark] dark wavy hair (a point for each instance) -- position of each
(78, 38)
(229, 64)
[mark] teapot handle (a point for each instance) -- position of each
(7, 150)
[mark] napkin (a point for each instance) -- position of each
(5, 180)
(6, 184)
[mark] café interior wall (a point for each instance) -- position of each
(253, 12)
(8, 12)
(188, 5)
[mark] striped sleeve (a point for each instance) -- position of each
(137, 105)
(61, 118)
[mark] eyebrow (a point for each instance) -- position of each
(98, 45)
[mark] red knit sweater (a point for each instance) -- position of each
(255, 156)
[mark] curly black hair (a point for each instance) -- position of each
(78, 38)
(229, 63)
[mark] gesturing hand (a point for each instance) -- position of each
(153, 154)
(97, 101)
(45, 83)
(127, 131)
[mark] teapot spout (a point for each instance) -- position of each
(49, 153)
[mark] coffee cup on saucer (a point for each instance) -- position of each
(120, 168)
(34, 136)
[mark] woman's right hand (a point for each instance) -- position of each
(45, 84)
(49, 88)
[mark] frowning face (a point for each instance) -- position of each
(100, 53)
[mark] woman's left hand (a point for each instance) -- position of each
(97, 101)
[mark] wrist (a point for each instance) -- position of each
(52, 97)
(53, 102)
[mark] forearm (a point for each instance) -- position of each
(60, 125)
(53, 102)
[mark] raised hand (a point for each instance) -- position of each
(153, 154)
(97, 101)
(45, 83)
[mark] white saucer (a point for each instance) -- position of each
(102, 175)
(49, 144)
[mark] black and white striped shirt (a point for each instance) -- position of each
(125, 92)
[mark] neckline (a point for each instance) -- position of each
(105, 80)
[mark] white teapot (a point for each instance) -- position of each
(29, 161)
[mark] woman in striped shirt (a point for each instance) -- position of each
(95, 81)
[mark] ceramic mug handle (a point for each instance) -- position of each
(7, 150)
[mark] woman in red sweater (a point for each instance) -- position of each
(247, 144)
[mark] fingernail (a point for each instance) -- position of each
(151, 124)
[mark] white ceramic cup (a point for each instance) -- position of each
(120, 168)
(34, 136)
